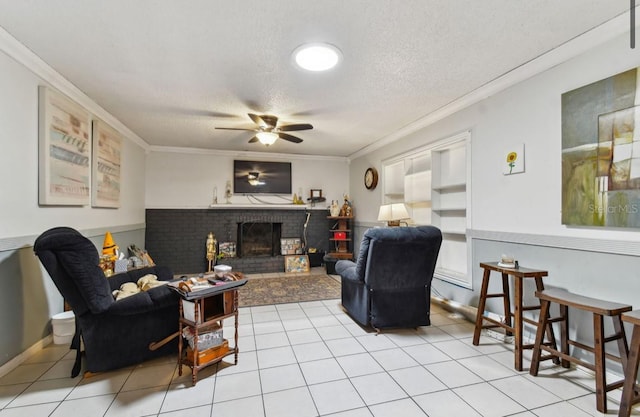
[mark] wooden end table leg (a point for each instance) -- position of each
(481, 305)
(180, 341)
(506, 302)
(623, 347)
(630, 375)
(564, 334)
(542, 324)
(235, 319)
(518, 322)
(599, 359)
(551, 337)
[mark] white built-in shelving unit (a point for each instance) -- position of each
(433, 181)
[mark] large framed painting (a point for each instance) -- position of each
(107, 145)
(601, 153)
(64, 136)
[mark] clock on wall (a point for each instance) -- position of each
(370, 178)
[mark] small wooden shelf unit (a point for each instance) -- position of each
(208, 313)
(342, 248)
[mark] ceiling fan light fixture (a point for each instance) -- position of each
(317, 56)
(267, 138)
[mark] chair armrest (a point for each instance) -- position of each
(347, 270)
(146, 301)
(162, 272)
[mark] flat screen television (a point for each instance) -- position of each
(260, 177)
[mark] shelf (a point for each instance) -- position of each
(451, 188)
(208, 322)
(449, 209)
(426, 203)
(340, 217)
(341, 255)
(340, 240)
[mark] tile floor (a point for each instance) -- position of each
(310, 359)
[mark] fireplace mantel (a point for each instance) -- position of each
(223, 206)
(261, 207)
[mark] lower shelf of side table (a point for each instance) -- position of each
(204, 358)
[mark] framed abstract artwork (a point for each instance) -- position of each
(105, 183)
(64, 150)
(601, 153)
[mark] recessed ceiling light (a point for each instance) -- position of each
(317, 56)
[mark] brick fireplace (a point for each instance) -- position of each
(177, 237)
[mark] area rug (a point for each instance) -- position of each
(291, 289)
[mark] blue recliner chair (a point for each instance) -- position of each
(389, 285)
(115, 333)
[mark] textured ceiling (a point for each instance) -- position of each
(171, 71)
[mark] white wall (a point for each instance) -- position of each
(186, 179)
(19, 208)
(30, 298)
(519, 211)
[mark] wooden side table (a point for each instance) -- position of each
(202, 311)
(516, 328)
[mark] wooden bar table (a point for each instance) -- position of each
(512, 328)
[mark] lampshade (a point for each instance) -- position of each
(393, 213)
(267, 138)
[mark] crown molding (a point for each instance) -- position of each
(247, 154)
(562, 53)
(24, 56)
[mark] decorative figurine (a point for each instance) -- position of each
(109, 247)
(347, 209)
(334, 209)
(228, 193)
(211, 250)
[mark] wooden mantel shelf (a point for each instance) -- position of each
(224, 206)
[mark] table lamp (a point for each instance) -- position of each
(393, 213)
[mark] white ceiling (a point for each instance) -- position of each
(171, 71)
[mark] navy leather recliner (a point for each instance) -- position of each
(389, 285)
(115, 334)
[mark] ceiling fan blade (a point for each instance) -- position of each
(253, 139)
(290, 138)
(291, 128)
(264, 120)
(235, 128)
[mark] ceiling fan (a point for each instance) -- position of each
(268, 130)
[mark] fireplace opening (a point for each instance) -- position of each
(258, 239)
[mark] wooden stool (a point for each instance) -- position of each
(599, 308)
(519, 274)
(630, 388)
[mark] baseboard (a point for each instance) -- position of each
(18, 360)
(468, 312)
